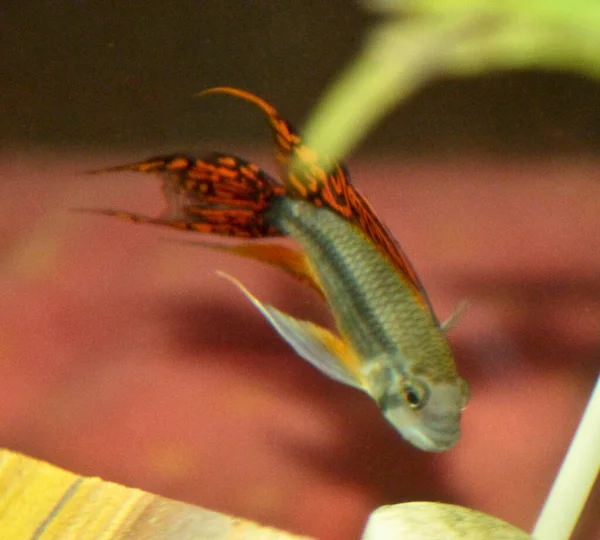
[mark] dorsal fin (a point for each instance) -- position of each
(305, 176)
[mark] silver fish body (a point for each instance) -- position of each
(404, 358)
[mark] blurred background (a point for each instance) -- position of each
(124, 356)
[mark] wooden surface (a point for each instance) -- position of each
(40, 501)
(125, 356)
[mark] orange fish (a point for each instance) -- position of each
(390, 344)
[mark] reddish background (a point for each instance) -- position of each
(127, 357)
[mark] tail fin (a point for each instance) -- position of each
(219, 194)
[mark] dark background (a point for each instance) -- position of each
(100, 73)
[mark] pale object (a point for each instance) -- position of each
(576, 477)
(437, 521)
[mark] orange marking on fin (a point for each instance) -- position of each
(179, 164)
(247, 172)
(299, 187)
(343, 351)
(247, 96)
(227, 161)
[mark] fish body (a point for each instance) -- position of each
(398, 352)
(390, 343)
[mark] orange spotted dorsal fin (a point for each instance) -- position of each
(307, 176)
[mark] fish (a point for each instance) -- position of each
(389, 343)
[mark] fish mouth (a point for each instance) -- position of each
(432, 434)
(431, 439)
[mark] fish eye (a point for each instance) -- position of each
(416, 394)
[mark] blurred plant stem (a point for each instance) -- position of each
(420, 40)
(576, 477)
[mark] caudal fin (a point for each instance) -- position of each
(218, 194)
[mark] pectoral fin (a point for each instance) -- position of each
(314, 343)
(454, 318)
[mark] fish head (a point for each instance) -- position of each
(426, 414)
